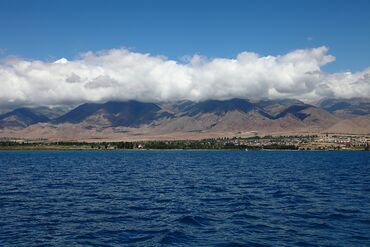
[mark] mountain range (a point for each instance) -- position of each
(187, 119)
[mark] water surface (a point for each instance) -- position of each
(184, 198)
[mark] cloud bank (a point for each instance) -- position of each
(120, 74)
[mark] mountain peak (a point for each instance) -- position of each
(218, 107)
(21, 117)
(117, 113)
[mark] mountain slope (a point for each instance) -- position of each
(274, 107)
(245, 115)
(187, 118)
(217, 107)
(346, 108)
(356, 125)
(52, 112)
(130, 113)
(21, 118)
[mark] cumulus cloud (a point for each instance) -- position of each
(120, 74)
(73, 78)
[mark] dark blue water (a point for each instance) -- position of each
(184, 198)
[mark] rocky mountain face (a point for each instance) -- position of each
(346, 108)
(52, 112)
(111, 114)
(21, 118)
(190, 118)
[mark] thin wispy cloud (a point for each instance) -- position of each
(310, 38)
(121, 74)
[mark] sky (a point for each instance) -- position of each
(176, 49)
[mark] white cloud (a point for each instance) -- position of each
(61, 61)
(120, 74)
(73, 78)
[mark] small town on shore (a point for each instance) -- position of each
(267, 142)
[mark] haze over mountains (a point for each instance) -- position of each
(187, 119)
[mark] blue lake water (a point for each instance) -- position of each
(184, 198)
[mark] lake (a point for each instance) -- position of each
(184, 198)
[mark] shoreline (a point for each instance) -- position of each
(176, 149)
(261, 143)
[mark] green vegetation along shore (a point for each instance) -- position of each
(308, 142)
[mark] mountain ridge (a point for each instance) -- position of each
(134, 118)
(21, 117)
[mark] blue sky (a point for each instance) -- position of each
(49, 30)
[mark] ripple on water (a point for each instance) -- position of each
(193, 220)
(175, 236)
(154, 198)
